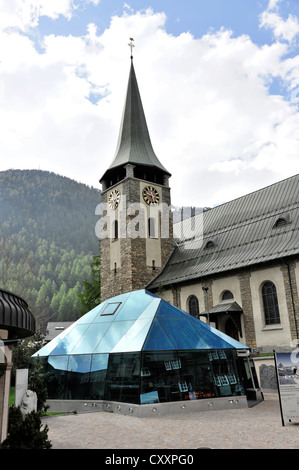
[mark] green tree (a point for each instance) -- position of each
(91, 294)
(25, 431)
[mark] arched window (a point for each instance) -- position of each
(193, 306)
(115, 230)
(270, 303)
(210, 244)
(227, 295)
(151, 227)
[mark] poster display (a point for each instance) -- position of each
(287, 370)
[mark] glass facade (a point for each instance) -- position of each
(137, 348)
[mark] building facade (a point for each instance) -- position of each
(242, 274)
(238, 269)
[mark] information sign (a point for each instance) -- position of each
(287, 370)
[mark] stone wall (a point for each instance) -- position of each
(130, 271)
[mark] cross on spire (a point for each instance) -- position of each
(131, 45)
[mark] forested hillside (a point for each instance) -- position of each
(47, 240)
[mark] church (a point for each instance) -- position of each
(234, 266)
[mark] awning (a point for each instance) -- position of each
(232, 309)
(15, 316)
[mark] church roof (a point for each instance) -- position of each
(136, 321)
(260, 227)
(134, 144)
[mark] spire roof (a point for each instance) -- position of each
(134, 144)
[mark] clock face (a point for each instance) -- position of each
(114, 198)
(150, 195)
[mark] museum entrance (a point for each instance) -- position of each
(249, 378)
(231, 329)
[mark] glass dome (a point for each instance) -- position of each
(138, 348)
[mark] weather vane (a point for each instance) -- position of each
(131, 45)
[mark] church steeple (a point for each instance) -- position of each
(136, 237)
(134, 144)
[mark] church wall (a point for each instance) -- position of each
(246, 288)
(270, 335)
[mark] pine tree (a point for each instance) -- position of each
(91, 295)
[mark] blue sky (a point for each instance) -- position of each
(219, 82)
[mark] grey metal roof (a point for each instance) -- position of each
(243, 232)
(55, 328)
(134, 143)
(224, 307)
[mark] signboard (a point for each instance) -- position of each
(287, 369)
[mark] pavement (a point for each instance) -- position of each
(259, 427)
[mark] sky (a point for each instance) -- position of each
(219, 81)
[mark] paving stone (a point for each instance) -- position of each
(259, 427)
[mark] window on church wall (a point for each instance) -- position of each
(270, 303)
(227, 295)
(193, 306)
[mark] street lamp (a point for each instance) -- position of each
(205, 289)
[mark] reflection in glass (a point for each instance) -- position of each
(78, 377)
(56, 379)
(99, 365)
(67, 345)
(122, 382)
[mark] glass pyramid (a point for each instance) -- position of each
(138, 348)
(136, 321)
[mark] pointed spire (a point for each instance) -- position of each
(134, 144)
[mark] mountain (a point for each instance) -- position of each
(47, 240)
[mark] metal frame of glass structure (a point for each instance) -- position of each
(136, 348)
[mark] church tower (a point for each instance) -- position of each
(136, 226)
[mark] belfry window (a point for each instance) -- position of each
(152, 228)
(270, 303)
(193, 306)
(115, 230)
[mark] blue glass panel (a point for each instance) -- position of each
(168, 310)
(91, 338)
(134, 338)
(48, 348)
(99, 365)
(157, 339)
(71, 339)
(111, 308)
(134, 306)
(79, 363)
(58, 362)
(113, 334)
(182, 333)
(78, 377)
(212, 338)
(99, 362)
(119, 298)
(231, 341)
(56, 378)
(91, 315)
(151, 310)
(150, 293)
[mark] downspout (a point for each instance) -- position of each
(292, 296)
(176, 295)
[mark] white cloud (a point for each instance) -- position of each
(286, 29)
(212, 121)
(283, 29)
(24, 14)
